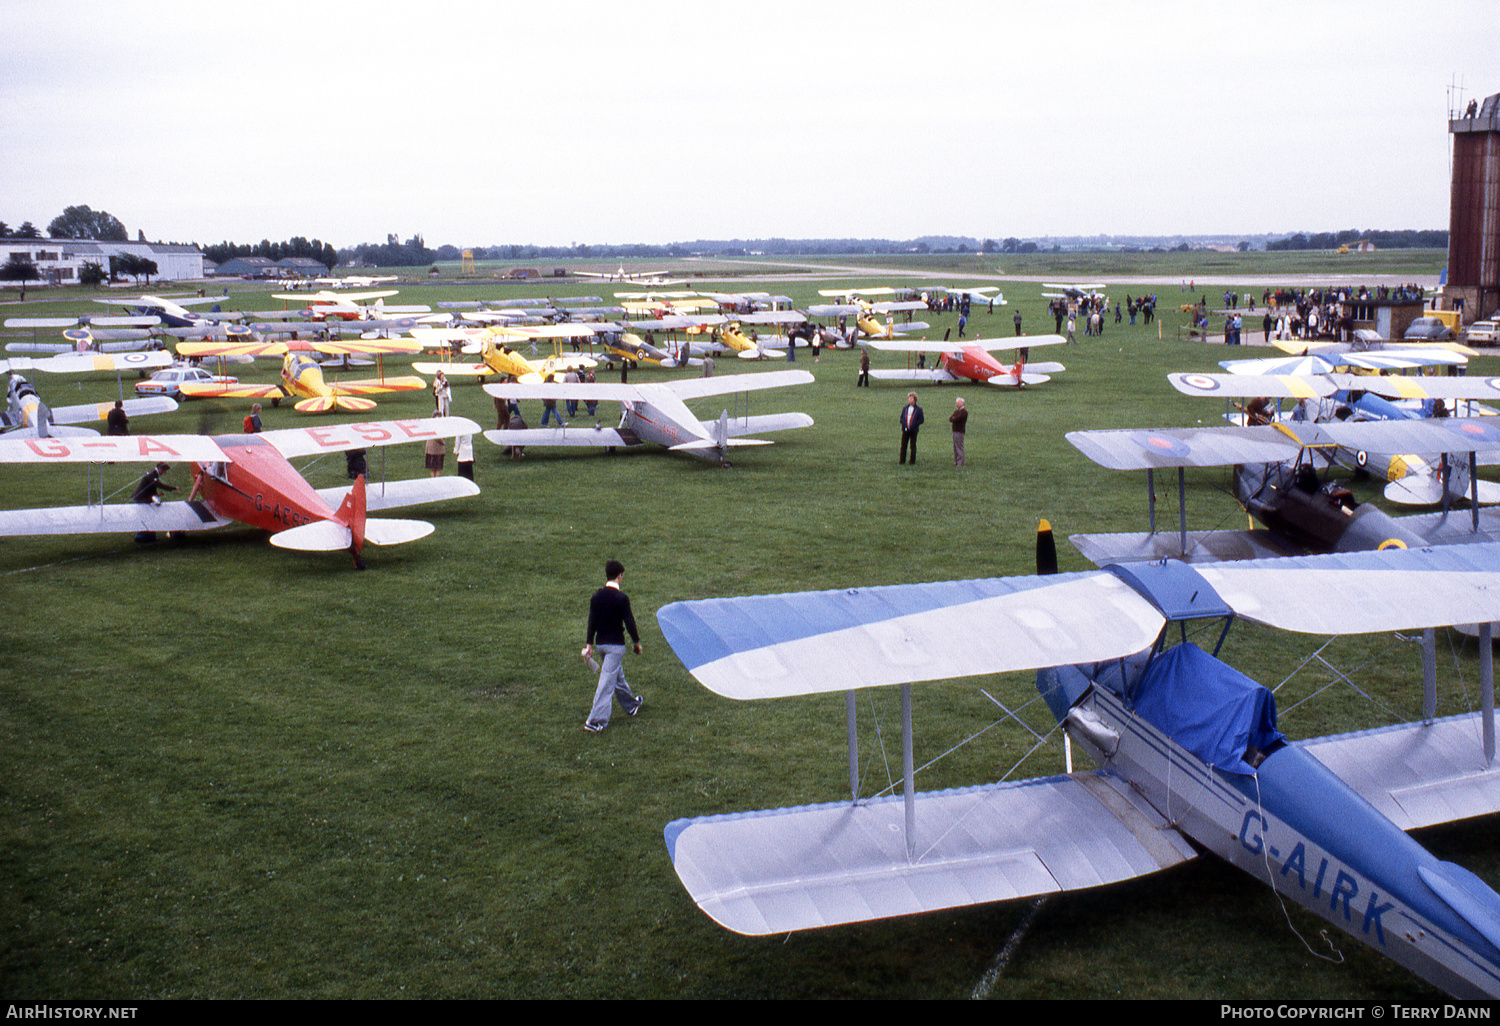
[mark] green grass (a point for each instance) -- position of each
(230, 770)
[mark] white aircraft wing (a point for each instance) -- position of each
(113, 449)
(1416, 774)
(84, 363)
(119, 517)
(777, 645)
(1184, 447)
(310, 441)
(935, 374)
(726, 384)
(772, 317)
(834, 310)
(580, 435)
(1244, 386)
(395, 494)
(1411, 386)
(86, 412)
(1363, 592)
(819, 865)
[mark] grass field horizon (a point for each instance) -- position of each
(233, 771)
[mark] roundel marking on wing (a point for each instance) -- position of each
(1391, 543)
(1201, 381)
(77, 335)
(1361, 457)
(1493, 383)
(1472, 428)
(133, 358)
(1161, 445)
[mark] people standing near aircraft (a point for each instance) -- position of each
(863, 381)
(1266, 324)
(609, 618)
(463, 455)
(355, 463)
(252, 420)
(549, 408)
(435, 451)
(959, 418)
(1017, 319)
(117, 423)
(911, 423)
(442, 394)
(145, 493)
(590, 404)
(1072, 327)
(572, 378)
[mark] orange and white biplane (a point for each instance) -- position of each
(302, 375)
(971, 361)
(248, 479)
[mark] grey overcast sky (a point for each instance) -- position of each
(665, 120)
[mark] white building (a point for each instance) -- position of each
(60, 260)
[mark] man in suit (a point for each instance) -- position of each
(911, 421)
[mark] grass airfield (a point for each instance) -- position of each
(234, 771)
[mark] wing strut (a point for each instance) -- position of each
(851, 717)
(908, 772)
(1487, 688)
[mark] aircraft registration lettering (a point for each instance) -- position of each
(328, 437)
(52, 447)
(1346, 886)
(370, 432)
(412, 429)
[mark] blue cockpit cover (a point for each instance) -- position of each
(1211, 709)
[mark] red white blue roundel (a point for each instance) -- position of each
(1202, 382)
(77, 335)
(134, 357)
(1472, 428)
(1160, 445)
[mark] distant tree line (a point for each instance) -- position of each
(1407, 239)
(314, 249)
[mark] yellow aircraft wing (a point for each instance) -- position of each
(407, 383)
(377, 346)
(231, 348)
(207, 390)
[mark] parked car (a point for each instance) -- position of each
(169, 382)
(1483, 333)
(1429, 329)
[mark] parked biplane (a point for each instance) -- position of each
(1188, 751)
(971, 361)
(26, 416)
(302, 375)
(173, 310)
(1276, 480)
(1412, 479)
(656, 413)
(248, 479)
(498, 359)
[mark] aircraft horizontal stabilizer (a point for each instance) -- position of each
(738, 426)
(820, 865)
(1027, 378)
(709, 443)
(1427, 490)
(395, 532)
(321, 536)
(413, 492)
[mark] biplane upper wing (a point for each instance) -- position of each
(989, 345)
(310, 441)
(1125, 449)
(778, 870)
(112, 449)
(1245, 386)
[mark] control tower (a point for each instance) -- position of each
(1474, 218)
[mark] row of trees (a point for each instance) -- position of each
(313, 249)
(1407, 239)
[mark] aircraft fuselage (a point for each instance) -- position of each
(978, 365)
(259, 488)
(1298, 827)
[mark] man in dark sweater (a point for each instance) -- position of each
(609, 619)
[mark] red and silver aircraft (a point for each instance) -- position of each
(248, 479)
(971, 361)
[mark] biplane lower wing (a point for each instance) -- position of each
(110, 519)
(1416, 774)
(822, 865)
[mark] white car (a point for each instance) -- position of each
(169, 382)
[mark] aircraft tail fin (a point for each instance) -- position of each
(43, 421)
(351, 514)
